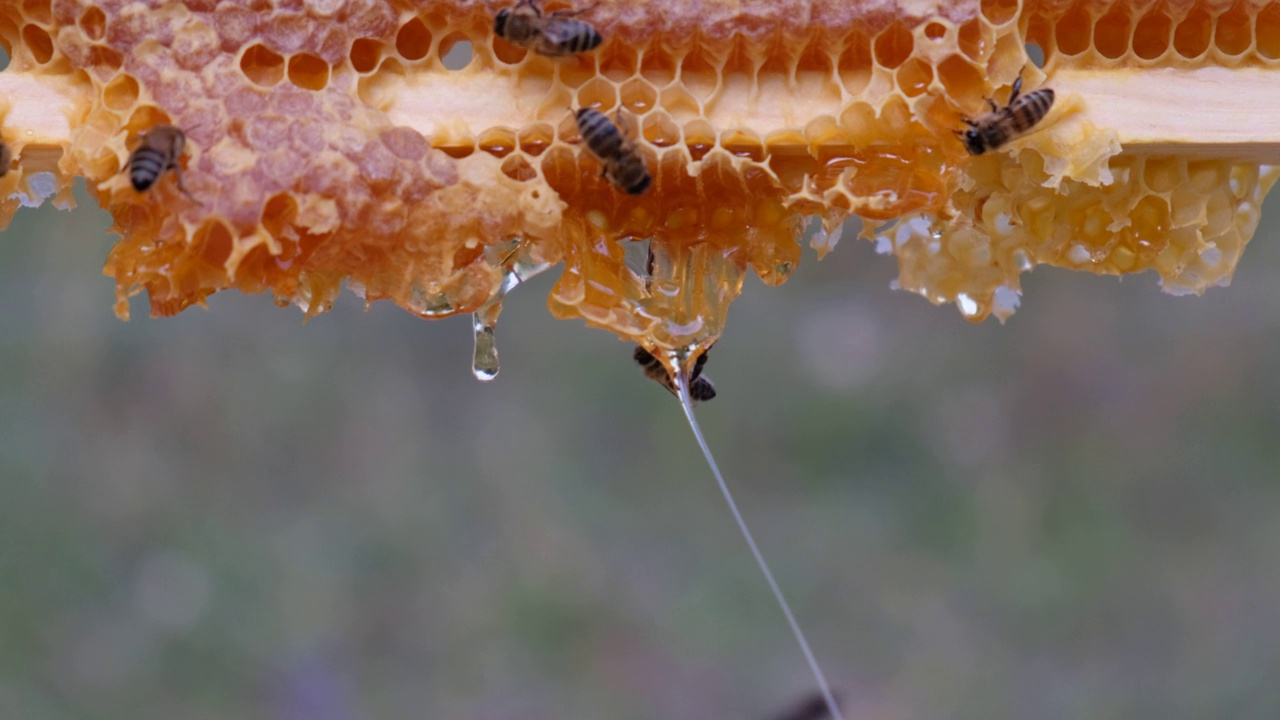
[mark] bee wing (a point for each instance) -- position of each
(557, 34)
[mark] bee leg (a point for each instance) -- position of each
(177, 171)
(968, 122)
(994, 107)
(1017, 88)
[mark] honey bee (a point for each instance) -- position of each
(555, 35)
(1002, 124)
(700, 388)
(6, 157)
(157, 152)
(811, 707)
(623, 165)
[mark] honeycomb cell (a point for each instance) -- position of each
(638, 96)
(658, 68)
(575, 71)
(278, 215)
(893, 46)
(121, 93)
(262, 65)
(535, 140)
(1268, 31)
(619, 62)
(1152, 35)
(960, 78)
(699, 138)
(1111, 33)
(681, 105)
(93, 22)
(413, 41)
(365, 54)
(1191, 37)
(213, 243)
(659, 130)
(1234, 35)
(698, 76)
(456, 51)
(1000, 12)
(308, 72)
(146, 117)
(506, 53)
(743, 144)
(498, 142)
(1073, 31)
(914, 77)
(935, 31)
(598, 93)
(855, 66)
(975, 40)
(38, 42)
(1161, 174)
(517, 168)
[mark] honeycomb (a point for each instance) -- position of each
(327, 142)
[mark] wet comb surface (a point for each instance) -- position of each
(328, 143)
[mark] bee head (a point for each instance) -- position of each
(500, 23)
(973, 142)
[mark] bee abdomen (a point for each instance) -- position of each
(582, 36)
(599, 133)
(145, 167)
(631, 175)
(1031, 109)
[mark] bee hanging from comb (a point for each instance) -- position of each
(1003, 124)
(157, 153)
(623, 165)
(556, 35)
(700, 388)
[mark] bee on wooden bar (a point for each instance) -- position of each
(700, 388)
(557, 34)
(6, 157)
(157, 152)
(621, 158)
(1003, 124)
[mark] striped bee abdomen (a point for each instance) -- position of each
(145, 167)
(599, 133)
(1031, 109)
(571, 37)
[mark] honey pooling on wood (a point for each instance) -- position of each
(321, 151)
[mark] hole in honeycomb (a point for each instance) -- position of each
(145, 118)
(598, 93)
(365, 54)
(1072, 32)
(1035, 54)
(457, 151)
(658, 68)
(700, 137)
(262, 65)
(974, 41)
(854, 65)
(38, 42)
(93, 23)
(518, 168)
(576, 70)
(278, 216)
(660, 130)
(999, 12)
(1191, 38)
(212, 243)
(1233, 36)
(893, 46)
(105, 58)
(1268, 22)
(36, 11)
(697, 75)
(536, 139)
(1111, 33)
(914, 76)
(1161, 174)
(1150, 220)
(1152, 35)
(679, 103)
(1205, 175)
(814, 75)
(619, 63)
(456, 51)
(638, 96)
(935, 31)
(498, 142)
(413, 42)
(960, 77)
(507, 53)
(121, 93)
(308, 71)
(743, 144)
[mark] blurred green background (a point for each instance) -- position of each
(232, 514)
